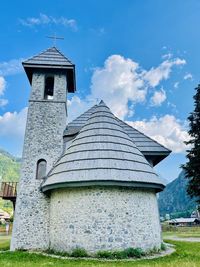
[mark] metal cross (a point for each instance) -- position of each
(55, 38)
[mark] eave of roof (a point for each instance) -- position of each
(135, 185)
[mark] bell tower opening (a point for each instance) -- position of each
(49, 87)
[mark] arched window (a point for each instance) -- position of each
(41, 169)
(49, 88)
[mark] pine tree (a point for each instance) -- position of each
(192, 167)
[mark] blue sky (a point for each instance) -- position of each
(141, 57)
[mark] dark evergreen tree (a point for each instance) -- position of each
(192, 167)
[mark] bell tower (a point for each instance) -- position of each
(51, 76)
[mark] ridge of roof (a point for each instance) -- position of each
(102, 151)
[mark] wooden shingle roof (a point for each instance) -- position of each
(102, 153)
(52, 56)
(148, 146)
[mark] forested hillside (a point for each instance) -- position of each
(174, 199)
(9, 172)
(9, 167)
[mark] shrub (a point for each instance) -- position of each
(163, 246)
(120, 254)
(58, 253)
(154, 250)
(79, 253)
(134, 252)
(104, 254)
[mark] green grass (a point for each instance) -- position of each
(181, 232)
(4, 242)
(186, 255)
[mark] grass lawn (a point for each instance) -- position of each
(186, 255)
(181, 232)
(4, 242)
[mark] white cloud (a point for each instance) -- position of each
(122, 83)
(2, 85)
(167, 56)
(176, 85)
(12, 129)
(188, 76)
(3, 102)
(76, 106)
(13, 66)
(44, 19)
(13, 124)
(10, 67)
(172, 106)
(167, 130)
(158, 98)
(117, 82)
(155, 75)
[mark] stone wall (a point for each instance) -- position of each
(104, 219)
(43, 140)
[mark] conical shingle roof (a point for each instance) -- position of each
(102, 154)
(76, 125)
(148, 146)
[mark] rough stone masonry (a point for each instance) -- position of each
(90, 184)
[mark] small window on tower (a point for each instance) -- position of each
(41, 169)
(49, 88)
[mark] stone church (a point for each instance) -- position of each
(88, 184)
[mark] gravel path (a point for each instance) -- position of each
(187, 239)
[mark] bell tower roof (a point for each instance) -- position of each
(53, 59)
(50, 57)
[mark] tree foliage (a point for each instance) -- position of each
(192, 167)
(9, 168)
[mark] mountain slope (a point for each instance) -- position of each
(174, 198)
(9, 171)
(9, 167)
